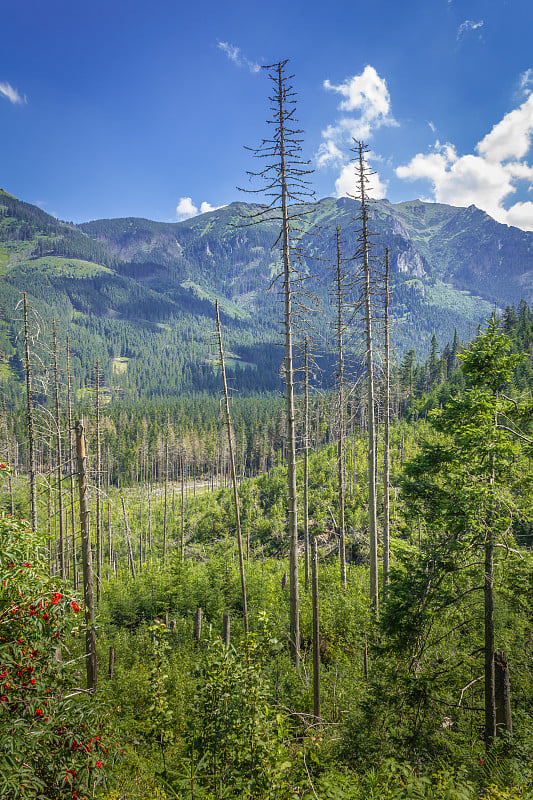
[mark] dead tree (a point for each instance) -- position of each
(98, 483)
(343, 287)
(306, 461)
(9, 458)
(59, 455)
(233, 473)
(386, 429)
(131, 559)
(31, 427)
(285, 186)
(71, 471)
(88, 594)
(316, 629)
(366, 283)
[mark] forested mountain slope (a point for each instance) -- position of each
(138, 296)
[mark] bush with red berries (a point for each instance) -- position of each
(50, 742)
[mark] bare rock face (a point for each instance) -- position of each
(411, 262)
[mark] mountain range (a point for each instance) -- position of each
(138, 295)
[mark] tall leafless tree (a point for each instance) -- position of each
(285, 186)
(367, 290)
(233, 473)
(386, 428)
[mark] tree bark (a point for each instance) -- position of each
(294, 603)
(386, 433)
(233, 474)
(88, 595)
(502, 694)
(372, 502)
(31, 431)
(316, 629)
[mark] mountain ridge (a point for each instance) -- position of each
(140, 290)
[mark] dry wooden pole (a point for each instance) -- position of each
(31, 431)
(9, 457)
(365, 254)
(306, 462)
(502, 694)
(166, 500)
(71, 471)
(226, 629)
(88, 596)
(98, 485)
(316, 629)
(386, 433)
(282, 117)
(339, 292)
(182, 510)
(233, 473)
(59, 455)
(131, 559)
(198, 624)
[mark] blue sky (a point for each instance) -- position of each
(115, 108)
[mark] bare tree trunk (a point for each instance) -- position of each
(98, 487)
(372, 503)
(131, 559)
(488, 595)
(226, 629)
(488, 590)
(59, 453)
(340, 400)
(71, 471)
(111, 661)
(88, 596)
(9, 457)
(149, 518)
(386, 433)
(31, 431)
(306, 461)
(198, 624)
(316, 629)
(294, 637)
(166, 501)
(182, 510)
(502, 694)
(233, 474)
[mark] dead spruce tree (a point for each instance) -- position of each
(286, 189)
(366, 275)
(386, 427)
(59, 457)
(31, 423)
(341, 295)
(233, 471)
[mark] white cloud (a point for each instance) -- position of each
(368, 96)
(347, 184)
(366, 107)
(432, 126)
(205, 208)
(468, 25)
(487, 179)
(6, 90)
(521, 216)
(526, 82)
(234, 54)
(329, 154)
(186, 208)
(511, 137)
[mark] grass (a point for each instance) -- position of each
(64, 267)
